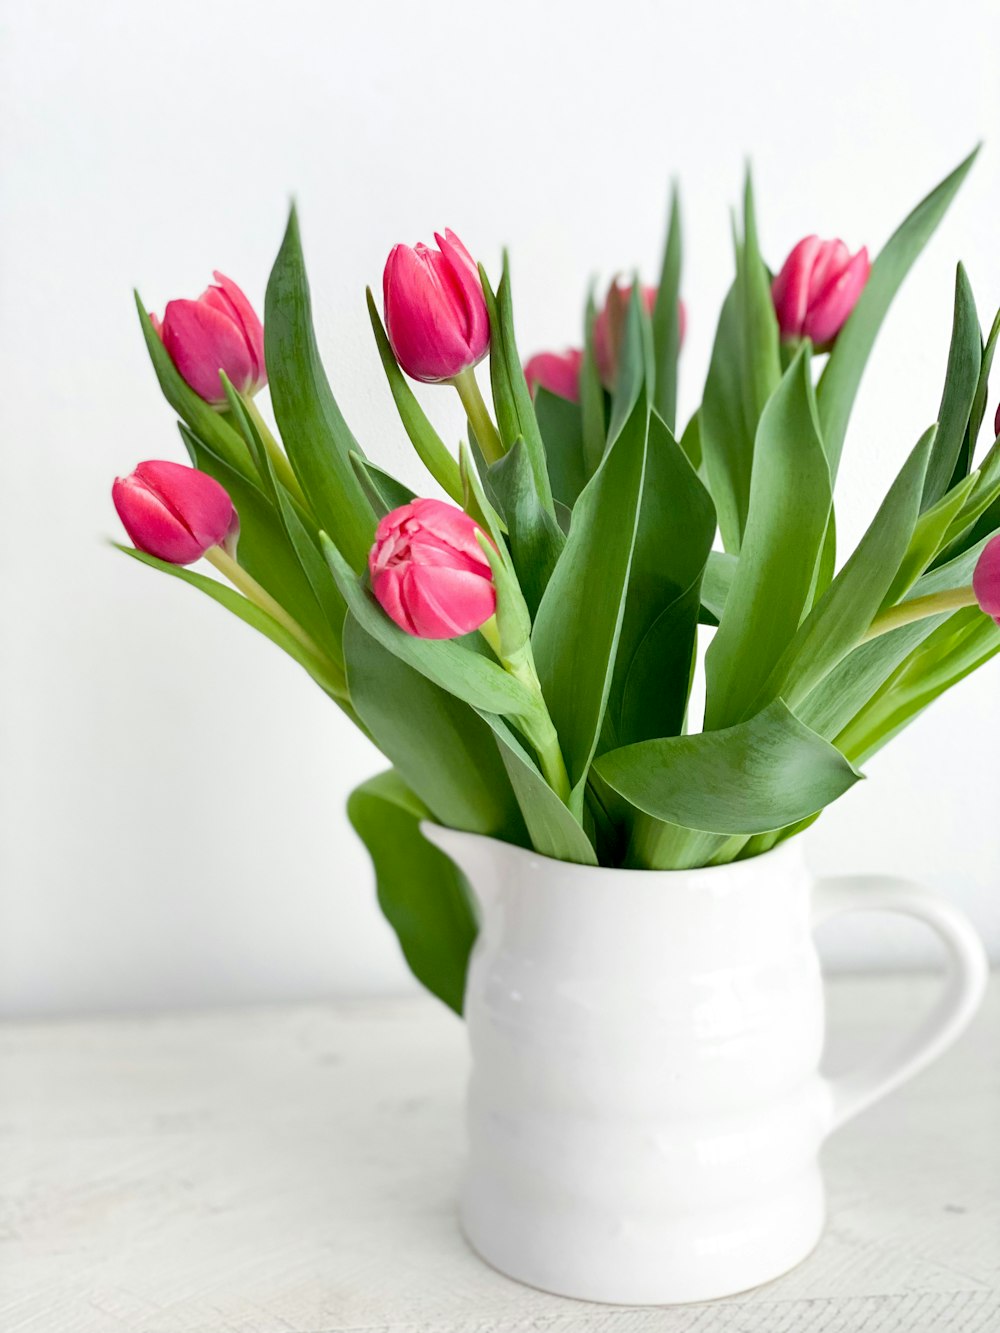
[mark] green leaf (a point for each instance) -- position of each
(592, 398)
(535, 537)
(453, 664)
(208, 424)
(929, 537)
(267, 554)
(576, 631)
(951, 456)
(690, 441)
(666, 320)
(656, 845)
(634, 372)
(561, 424)
(315, 435)
(431, 449)
(838, 385)
(440, 746)
(840, 618)
(715, 585)
(727, 439)
(983, 387)
(552, 828)
(383, 491)
(761, 356)
(324, 673)
(758, 775)
(790, 503)
(652, 675)
(423, 894)
(511, 396)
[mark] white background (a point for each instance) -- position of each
(173, 788)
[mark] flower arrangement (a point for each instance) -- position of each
(522, 650)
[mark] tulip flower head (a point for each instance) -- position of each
(435, 311)
(558, 372)
(986, 579)
(174, 512)
(609, 327)
(428, 571)
(817, 288)
(219, 331)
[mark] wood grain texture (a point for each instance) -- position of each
(294, 1170)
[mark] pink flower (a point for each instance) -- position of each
(559, 372)
(817, 288)
(174, 512)
(219, 331)
(435, 313)
(986, 579)
(609, 327)
(428, 570)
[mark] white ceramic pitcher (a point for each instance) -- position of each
(645, 1107)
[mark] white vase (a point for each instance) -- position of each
(645, 1107)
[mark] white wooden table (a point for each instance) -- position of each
(293, 1171)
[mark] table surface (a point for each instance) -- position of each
(293, 1170)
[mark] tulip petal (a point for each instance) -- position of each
(986, 579)
(829, 309)
(202, 341)
(248, 320)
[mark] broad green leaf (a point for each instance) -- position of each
(838, 385)
(652, 675)
(789, 511)
(930, 534)
(552, 828)
(690, 441)
(453, 664)
(576, 631)
(726, 438)
(438, 745)
(634, 370)
(208, 424)
(840, 618)
(267, 554)
(315, 435)
(951, 454)
(430, 448)
(423, 894)
(983, 387)
(561, 424)
(534, 536)
(511, 397)
(323, 672)
(758, 775)
(759, 341)
(383, 491)
(715, 585)
(656, 845)
(666, 320)
(592, 398)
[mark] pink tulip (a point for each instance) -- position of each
(219, 331)
(435, 313)
(817, 288)
(559, 372)
(609, 327)
(174, 512)
(428, 570)
(986, 579)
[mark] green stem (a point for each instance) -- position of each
(279, 459)
(260, 597)
(476, 410)
(919, 608)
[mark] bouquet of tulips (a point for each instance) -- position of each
(522, 650)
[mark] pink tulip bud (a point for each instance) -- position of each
(559, 372)
(435, 312)
(219, 331)
(428, 570)
(817, 288)
(174, 512)
(986, 579)
(996, 424)
(609, 327)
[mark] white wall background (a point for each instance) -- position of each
(173, 788)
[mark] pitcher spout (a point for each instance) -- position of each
(475, 855)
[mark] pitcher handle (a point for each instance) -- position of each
(964, 983)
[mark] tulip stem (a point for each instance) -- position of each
(919, 608)
(279, 459)
(487, 436)
(261, 598)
